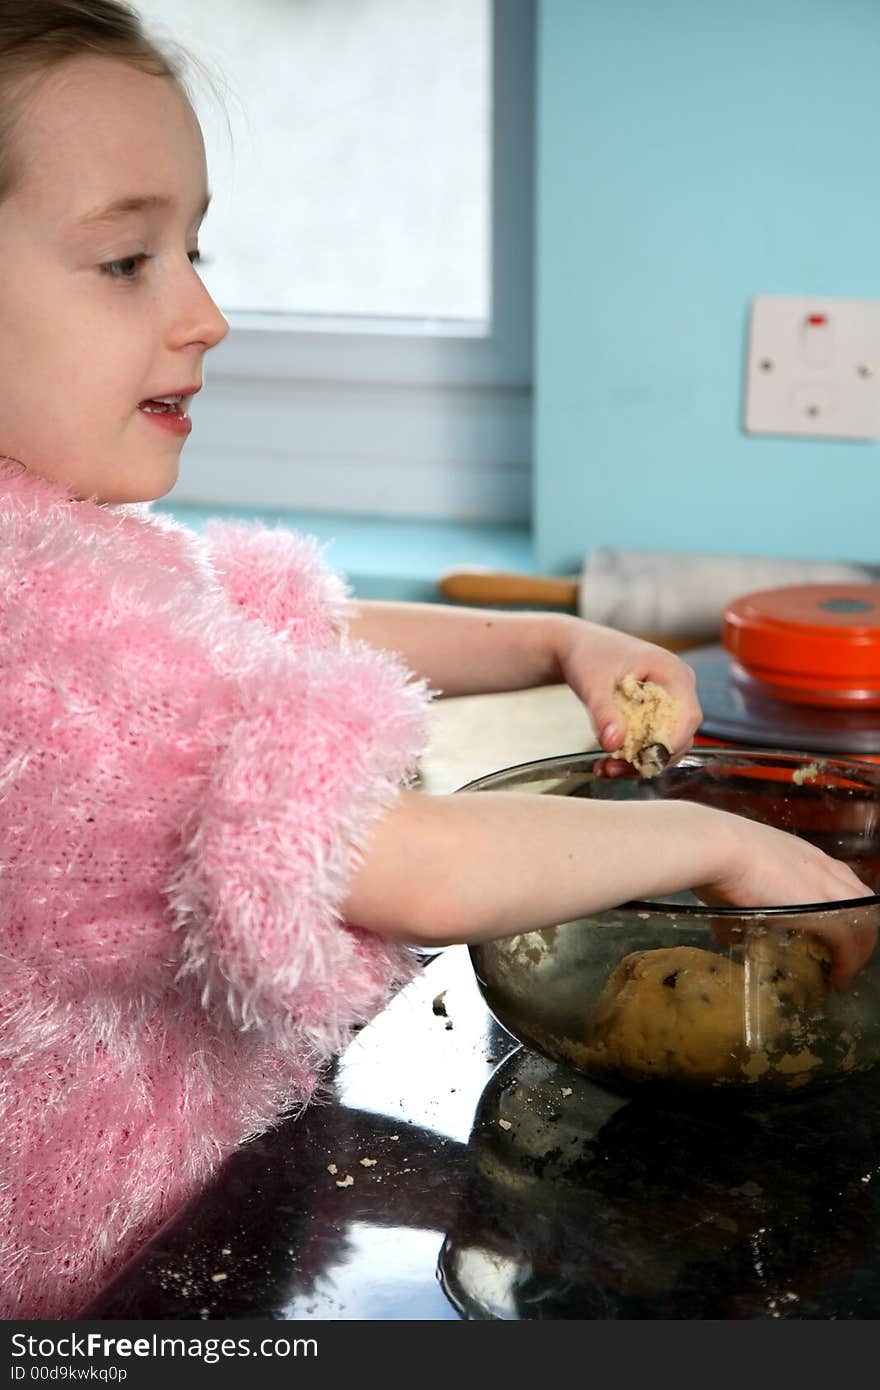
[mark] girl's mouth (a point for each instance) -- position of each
(168, 412)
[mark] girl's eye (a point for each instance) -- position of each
(129, 267)
(126, 269)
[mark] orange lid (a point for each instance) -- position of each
(816, 644)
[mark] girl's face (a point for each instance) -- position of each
(101, 309)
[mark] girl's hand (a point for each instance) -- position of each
(593, 660)
(770, 868)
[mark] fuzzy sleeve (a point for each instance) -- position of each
(324, 744)
(280, 577)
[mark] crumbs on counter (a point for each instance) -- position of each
(438, 1005)
(504, 1124)
(367, 1162)
(347, 1181)
(331, 1168)
(218, 1277)
(394, 1137)
(566, 1090)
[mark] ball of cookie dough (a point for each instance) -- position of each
(649, 715)
(676, 1011)
(795, 967)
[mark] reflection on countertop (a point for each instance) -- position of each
(341, 1212)
(487, 1182)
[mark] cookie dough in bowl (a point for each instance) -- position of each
(671, 994)
(693, 1015)
(676, 1010)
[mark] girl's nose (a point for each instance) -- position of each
(198, 320)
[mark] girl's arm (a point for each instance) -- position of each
(473, 867)
(465, 651)
(476, 651)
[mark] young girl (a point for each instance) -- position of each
(212, 862)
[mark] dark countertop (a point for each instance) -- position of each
(538, 1194)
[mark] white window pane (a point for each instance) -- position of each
(357, 180)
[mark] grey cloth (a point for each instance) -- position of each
(686, 593)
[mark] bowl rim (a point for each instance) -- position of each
(759, 755)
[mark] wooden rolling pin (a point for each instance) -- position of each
(496, 586)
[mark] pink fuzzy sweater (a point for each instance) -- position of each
(191, 751)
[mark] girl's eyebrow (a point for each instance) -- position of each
(126, 206)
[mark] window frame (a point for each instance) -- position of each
(422, 417)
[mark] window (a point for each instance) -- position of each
(371, 245)
(359, 154)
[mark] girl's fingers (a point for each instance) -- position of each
(851, 943)
(611, 732)
(612, 767)
(851, 948)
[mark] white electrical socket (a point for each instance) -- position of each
(814, 367)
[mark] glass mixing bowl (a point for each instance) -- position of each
(673, 993)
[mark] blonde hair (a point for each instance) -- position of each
(37, 35)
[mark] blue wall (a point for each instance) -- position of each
(690, 155)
